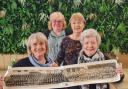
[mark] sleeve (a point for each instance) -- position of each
(17, 64)
(24, 62)
(61, 54)
(46, 32)
(121, 79)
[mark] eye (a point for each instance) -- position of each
(42, 43)
(93, 42)
(73, 22)
(57, 21)
(86, 42)
(34, 44)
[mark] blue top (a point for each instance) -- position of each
(54, 44)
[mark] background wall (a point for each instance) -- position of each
(20, 18)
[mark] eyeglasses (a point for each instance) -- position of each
(57, 21)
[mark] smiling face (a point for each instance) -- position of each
(57, 25)
(57, 22)
(37, 45)
(77, 25)
(38, 49)
(77, 22)
(90, 46)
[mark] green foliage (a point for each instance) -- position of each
(20, 18)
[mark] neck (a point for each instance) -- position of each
(90, 56)
(57, 33)
(75, 36)
(41, 60)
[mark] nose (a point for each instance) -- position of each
(90, 45)
(38, 46)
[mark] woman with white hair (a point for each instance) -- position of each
(37, 48)
(90, 41)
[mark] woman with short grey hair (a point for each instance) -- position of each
(90, 41)
(88, 33)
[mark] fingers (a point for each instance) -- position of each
(1, 82)
(119, 69)
(54, 65)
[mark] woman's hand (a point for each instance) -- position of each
(1, 82)
(54, 65)
(119, 70)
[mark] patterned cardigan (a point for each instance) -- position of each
(69, 51)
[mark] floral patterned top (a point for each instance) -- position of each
(69, 51)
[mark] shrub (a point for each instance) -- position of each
(20, 18)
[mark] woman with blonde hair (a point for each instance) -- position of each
(56, 26)
(70, 46)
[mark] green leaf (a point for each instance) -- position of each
(13, 5)
(8, 30)
(121, 27)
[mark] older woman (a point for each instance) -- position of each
(91, 40)
(70, 46)
(56, 25)
(37, 47)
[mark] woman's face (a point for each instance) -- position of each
(57, 25)
(90, 46)
(38, 49)
(77, 25)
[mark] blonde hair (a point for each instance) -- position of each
(55, 16)
(77, 16)
(90, 33)
(39, 37)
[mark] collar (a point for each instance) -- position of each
(52, 34)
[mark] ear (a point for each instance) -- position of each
(29, 51)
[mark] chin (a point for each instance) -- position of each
(90, 55)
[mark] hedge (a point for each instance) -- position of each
(20, 18)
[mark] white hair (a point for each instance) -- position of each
(39, 37)
(90, 33)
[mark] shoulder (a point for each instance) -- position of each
(22, 62)
(81, 59)
(46, 32)
(65, 40)
(109, 56)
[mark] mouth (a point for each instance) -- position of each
(39, 50)
(77, 28)
(90, 49)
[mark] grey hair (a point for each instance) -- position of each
(39, 37)
(90, 33)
